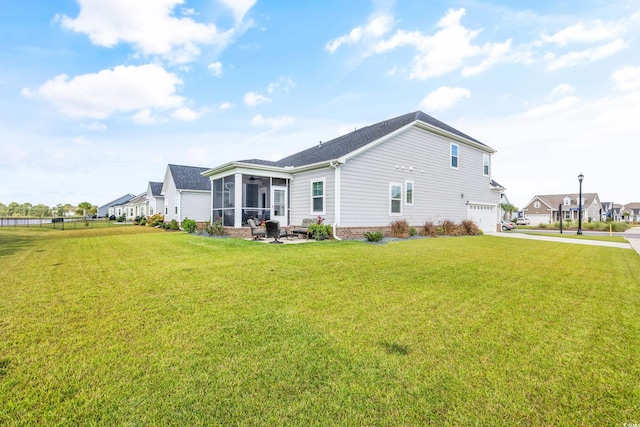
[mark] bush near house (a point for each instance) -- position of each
(155, 220)
(189, 225)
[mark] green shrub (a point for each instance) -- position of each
(189, 225)
(215, 229)
(373, 236)
(400, 229)
(121, 218)
(413, 232)
(173, 225)
(320, 231)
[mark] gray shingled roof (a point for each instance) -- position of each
(189, 178)
(156, 188)
(352, 141)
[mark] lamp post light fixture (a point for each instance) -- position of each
(580, 178)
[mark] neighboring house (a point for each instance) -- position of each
(633, 211)
(155, 199)
(135, 207)
(110, 208)
(412, 167)
(187, 194)
(545, 209)
(611, 210)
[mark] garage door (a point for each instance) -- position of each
(485, 216)
(537, 219)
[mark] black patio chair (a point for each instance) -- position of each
(274, 230)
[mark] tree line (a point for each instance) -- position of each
(24, 210)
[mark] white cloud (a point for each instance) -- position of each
(123, 89)
(215, 68)
(186, 114)
(272, 122)
(584, 33)
(586, 56)
(145, 117)
(444, 98)
(81, 140)
(552, 109)
(563, 89)
(284, 84)
(239, 7)
(96, 126)
(377, 26)
(252, 99)
(226, 105)
(627, 78)
(148, 25)
(446, 50)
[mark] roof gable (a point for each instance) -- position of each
(156, 188)
(189, 178)
(359, 138)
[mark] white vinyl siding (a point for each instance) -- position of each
(300, 200)
(423, 158)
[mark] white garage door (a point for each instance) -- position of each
(537, 219)
(485, 216)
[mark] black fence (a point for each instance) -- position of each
(71, 223)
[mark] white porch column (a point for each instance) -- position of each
(237, 197)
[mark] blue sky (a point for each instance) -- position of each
(98, 96)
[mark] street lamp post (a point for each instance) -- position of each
(580, 178)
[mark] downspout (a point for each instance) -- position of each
(336, 166)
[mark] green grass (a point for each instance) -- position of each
(573, 235)
(135, 326)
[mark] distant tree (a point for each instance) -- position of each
(11, 208)
(3, 210)
(508, 209)
(40, 211)
(87, 209)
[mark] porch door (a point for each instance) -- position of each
(279, 205)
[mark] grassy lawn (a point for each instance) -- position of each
(135, 326)
(573, 235)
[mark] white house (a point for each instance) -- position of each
(155, 199)
(411, 167)
(187, 194)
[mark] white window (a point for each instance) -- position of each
(454, 156)
(408, 193)
(567, 201)
(176, 206)
(317, 197)
(395, 199)
(536, 205)
(485, 164)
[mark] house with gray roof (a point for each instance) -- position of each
(546, 209)
(109, 209)
(631, 212)
(187, 193)
(411, 167)
(155, 199)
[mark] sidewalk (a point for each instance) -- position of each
(632, 235)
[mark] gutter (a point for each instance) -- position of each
(336, 166)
